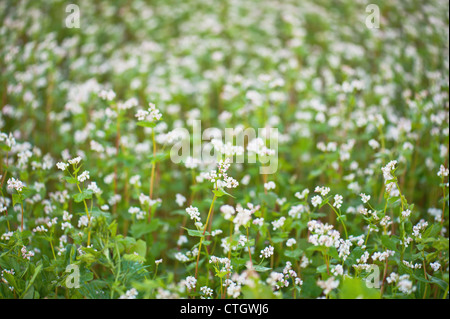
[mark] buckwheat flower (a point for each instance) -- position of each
(316, 200)
(130, 294)
(228, 211)
(242, 218)
(62, 166)
(269, 185)
(406, 213)
(40, 229)
(374, 144)
(234, 290)
(344, 248)
(322, 190)
(387, 175)
(83, 221)
(278, 223)
(94, 188)
(216, 232)
(16, 184)
(141, 115)
(436, 265)
(180, 199)
(266, 252)
(296, 211)
(182, 240)
(6, 236)
(181, 257)
(411, 265)
(258, 221)
(405, 285)
(83, 176)
(135, 180)
(154, 113)
(26, 254)
(303, 194)
(291, 242)
(190, 282)
(107, 95)
(338, 200)
(65, 225)
(245, 180)
(193, 213)
(328, 285)
(382, 256)
(393, 277)
(304, 262)
(436, 213)
(338, 270)
(420, 226)
(75, 160)
(206, 291)
(443, 172)
(257, 146)
(365, 198)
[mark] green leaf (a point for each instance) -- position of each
(158, 157)
(140, 229)
(221, 192)
(146, 124)
(71, 180)
(35, 274)
(17, 199)
(295, 254)
(85, 194)
(196, 233)
(389, 242)
(260, 268)
(357, 288)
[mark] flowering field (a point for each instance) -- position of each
(225, 150)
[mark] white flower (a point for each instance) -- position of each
(180, 199)
(436, 265)
(190, 282)
(193, 213)
(443, 172)
(278, 223)
(15, 184)
(322, 190)
(365, 198)
(94, 188)
(405, 285)
(228, 211)
(291, 242)
(130, 294)
(269, 185)
(62, 166)
(75, 160)
(316, 200)
(83, 176)
(303, 194)
(406, 213)
(338, 200)
(206, 291)
(266, 252)
(107, 95)
(328, 285)
(83, 221)
(374, 144)
(26, 254)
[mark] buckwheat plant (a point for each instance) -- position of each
(224, 150)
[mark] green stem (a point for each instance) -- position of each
(203, 235)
